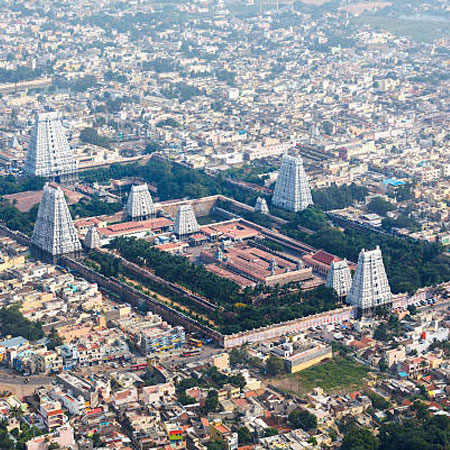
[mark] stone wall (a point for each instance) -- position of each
(202, 206)
(273, 331)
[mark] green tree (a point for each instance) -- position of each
(303, 419)
(12, 322)
(185, 399)
(421, 410)
(378, 402)
(212, 401)
(54, 339)
(239, 381)
(214, 446)
(274, 365)
(169, 122)
(152, 147)
(91, 136)
(244, 436)
(268, 432)
(359, 439)
(382, 365)
(381, 333)
(96, 440)
(380, 206)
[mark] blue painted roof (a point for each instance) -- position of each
(17, 341)
(393, 182)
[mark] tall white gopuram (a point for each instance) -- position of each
(370, 286)
(140, 204)
(292, 191)
(185, 221)
(49, 154)
(261, 206)
(54, 233)
(339, 278)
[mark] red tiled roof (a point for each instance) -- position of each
(353, 395)
(325, 257)
(358, 344)
(133, 227)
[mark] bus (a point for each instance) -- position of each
(139, 366)
(195, 342)
(190, 353)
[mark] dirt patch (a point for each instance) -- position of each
(24, 201)
(21, 390)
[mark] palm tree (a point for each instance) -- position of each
(17, 414)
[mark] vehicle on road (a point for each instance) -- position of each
(190, 353)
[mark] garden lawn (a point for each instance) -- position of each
(336, 375)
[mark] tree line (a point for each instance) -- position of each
(338, 197)
(9, 184)
(15, 324)
(410, 264)
(239, 310)
(423, 432)
(178, 269)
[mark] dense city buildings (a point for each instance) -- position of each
(194, 274)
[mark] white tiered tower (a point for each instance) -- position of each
(292, 191)
(92, 238)
(54, 233)
(370, 287)
(140, 204)
(49, 154)
(185, 221)
(261, 206)
(339, 278)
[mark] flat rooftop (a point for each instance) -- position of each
(135, 227)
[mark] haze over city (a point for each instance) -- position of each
(224, 225)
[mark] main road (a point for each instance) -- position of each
(15, 379)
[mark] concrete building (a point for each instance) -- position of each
(140, 204)
(223, 434)
(303, 359)
(185, 221)
(339, 278)
(49, 154)
(161, 338)
(54, 233)
(62, 437)
(292, 191)
(370, 287)
(51, 412)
